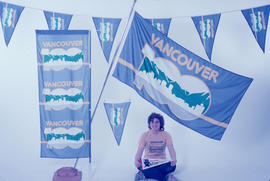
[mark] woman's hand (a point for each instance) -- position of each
(173, 163)
(137, 163)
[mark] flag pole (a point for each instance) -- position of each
(113, 60)
(110, 68)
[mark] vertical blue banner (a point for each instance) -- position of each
(162, 25)
(207, 28)
(257, 19)
(57, 21)
(9, 15)
(117, 114)
(106, 30)
(189, 89)
(64, 92)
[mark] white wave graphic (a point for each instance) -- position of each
(57, 99)
(60, 138)
(58, 59)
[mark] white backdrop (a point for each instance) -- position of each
(243, 152)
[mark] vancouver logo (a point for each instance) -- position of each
(257, 20)
(159, 27)
(59, 99)
(58, 59)
(187, 97)
(106, 30)
(57, 23)
(8, 17)
(117, 116)
(60, 138)
(206, 27)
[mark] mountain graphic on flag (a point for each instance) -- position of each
(257, 19)
(9, 15)
(59, 99)
(117, 113)
(57, 21)
(60, 138)
(106, 30)
(167, 82)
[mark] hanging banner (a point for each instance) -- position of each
(106, 30)
(189, 89)
(64, 92)
(257, 19)
(161, 24)
(117, 114)
(57, 21)
(207, 28)
(10, 15)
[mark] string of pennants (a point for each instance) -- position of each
(206, 25)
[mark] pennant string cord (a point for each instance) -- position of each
(223, 12)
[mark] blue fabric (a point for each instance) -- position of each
(106, 30)
(117, 113)
(207, 28)
(57, 21)
(189, 89)
(64, 92)
(161, 24)
(9, 15)
(257, 19)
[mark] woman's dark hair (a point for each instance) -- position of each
(159, 117)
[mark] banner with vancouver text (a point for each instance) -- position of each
(64, 92)
(189, 89)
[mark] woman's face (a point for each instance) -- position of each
(155, 124)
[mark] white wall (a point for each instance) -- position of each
(243, 152)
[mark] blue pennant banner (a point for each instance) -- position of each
(57, 21)
(117, 114)
(161, 24)
(106, 30)
(189, 89)
(207, 28)
(10, 15)
(64, 74)
(257, 19)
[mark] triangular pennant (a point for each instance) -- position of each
(161, 24)
(57, 21)
(257, 19)
(10, 15)
(106, 30)
(117, 114)
(207, 27)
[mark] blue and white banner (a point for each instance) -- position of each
(189, 89)
(64, 92)
(257, 19)
(57, 21)
(207, 28)
(161, 24)
(117, 114)
(9, 15)
(106, 30)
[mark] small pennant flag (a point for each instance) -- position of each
(10, 15)
(207, 27)
(117, 114)
(257, 19)
(106, 30)
(161, 24)
(57, 21)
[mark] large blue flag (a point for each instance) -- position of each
(162, 25)
(64, 92)
(207, 28)
(9, 15)
(57, 21)
(106, 30)
(257, 19)
(117, 114)
(189, 89)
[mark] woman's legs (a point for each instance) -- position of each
(159, 172)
